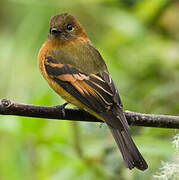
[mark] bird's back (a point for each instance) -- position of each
(79, 54)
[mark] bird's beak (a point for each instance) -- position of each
(55, 31)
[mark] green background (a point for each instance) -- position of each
(139, 42)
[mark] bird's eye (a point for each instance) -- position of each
(69, 27)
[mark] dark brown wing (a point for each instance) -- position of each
(95, 91)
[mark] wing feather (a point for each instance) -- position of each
(95, 91)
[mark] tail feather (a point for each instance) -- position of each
(129, 151)
(118, 125)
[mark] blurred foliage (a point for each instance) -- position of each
(139, 41)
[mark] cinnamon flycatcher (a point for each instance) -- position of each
(74, 68)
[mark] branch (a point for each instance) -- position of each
(8, 107)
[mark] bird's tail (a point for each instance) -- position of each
(129, 151)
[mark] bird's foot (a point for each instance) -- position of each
(62, 108)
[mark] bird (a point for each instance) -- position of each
(77, 72)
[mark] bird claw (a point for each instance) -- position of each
(62, 108)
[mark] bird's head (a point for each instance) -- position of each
(65, 28)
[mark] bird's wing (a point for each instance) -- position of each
(94, 91)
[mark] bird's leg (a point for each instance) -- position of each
(62, 108)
